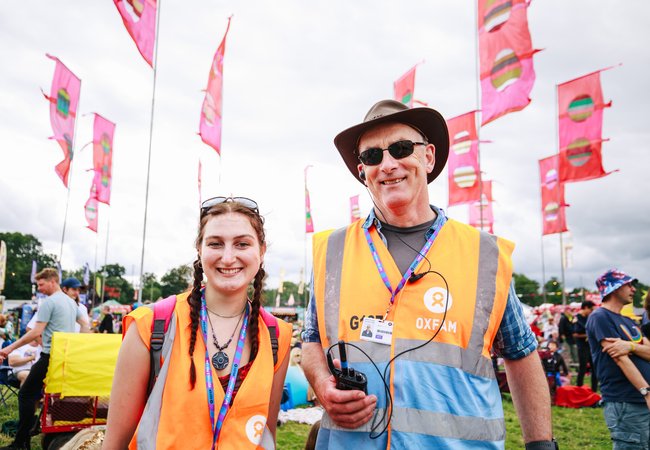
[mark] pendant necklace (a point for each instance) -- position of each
(220, 359)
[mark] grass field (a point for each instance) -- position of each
(574, 429)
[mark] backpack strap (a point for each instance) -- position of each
(162, 313)
(271, 323)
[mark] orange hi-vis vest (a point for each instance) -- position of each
(444, 394)
(182, 417)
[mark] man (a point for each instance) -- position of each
(565, 332)
(23, 358)
(580, 337)
(621, 356)
(106, 325)
(437, 292)
(71, 287)
(57, 312)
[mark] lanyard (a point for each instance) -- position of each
(225, 406)
(409, 271)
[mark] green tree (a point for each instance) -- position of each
(22, 249)
(176, 280)
(639, 295)
(151, 287)
(527, 289)
(553, 291)
(116, 287)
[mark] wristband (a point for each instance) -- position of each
(631, 347)
(542, 445)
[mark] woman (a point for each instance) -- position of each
(231, 247)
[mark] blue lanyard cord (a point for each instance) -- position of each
(209, 384)
(409, 271)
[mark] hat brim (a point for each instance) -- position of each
(427, 120)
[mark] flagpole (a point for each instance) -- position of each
(146, 195)
(67, 202)
(108, 227)
(478, 116)
(559, 180)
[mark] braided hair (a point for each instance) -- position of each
(194, 299)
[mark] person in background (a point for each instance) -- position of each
(71, 287)
(645, 321)
(57, 312)
(584, 353)
(310, 444)
(106, 325)
(622, 359)
(23, 358)
(565, 332)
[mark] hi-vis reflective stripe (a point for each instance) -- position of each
(333, 269)
(467, 428)
(470, 360)
(326, 422)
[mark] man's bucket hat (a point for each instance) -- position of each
(612, 280)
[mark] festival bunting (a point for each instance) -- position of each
(103, 131)
(480, 213)
(64, 100)
(210, 122)
(506, 57)
(91, 209)
(553, 204)
(355, 213)
(462, 165)
(404, 87)
(139, 17)
(580, 106)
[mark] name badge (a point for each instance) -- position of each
(377, 330)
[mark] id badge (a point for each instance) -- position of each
(377, 330)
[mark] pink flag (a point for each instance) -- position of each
(480, 213)
(580, 105)
(91, 209)
(553, 204)
(462, 165)
(103, 131)
(139, 17)
(309, 224)
(64, 100)
(210, 122)
(404, 87)
(506, 57)
(355, 213)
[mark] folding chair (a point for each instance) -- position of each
(9, 385)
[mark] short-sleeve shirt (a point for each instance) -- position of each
(23, 352)
(580, 327)
(60, 313)
(614, 385)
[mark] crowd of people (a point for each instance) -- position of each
(415, 301)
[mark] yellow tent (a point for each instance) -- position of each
(628, 311)
(82, 364)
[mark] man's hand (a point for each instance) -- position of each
(348, 409)
(3, 355)
(616, 347)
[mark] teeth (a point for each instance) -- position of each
(229, 271)
(393, 181)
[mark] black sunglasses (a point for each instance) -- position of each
(245, 202)
(398, 150)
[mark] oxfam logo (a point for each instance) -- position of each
(435, 299)
(255, 428)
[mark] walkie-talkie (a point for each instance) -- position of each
(347, 379)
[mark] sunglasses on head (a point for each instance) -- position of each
(245, 202)
(398, 150)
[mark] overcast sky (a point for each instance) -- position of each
(295, 74)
